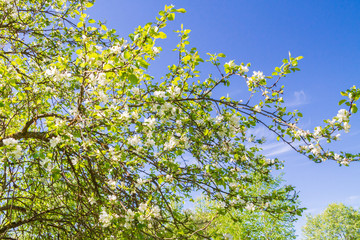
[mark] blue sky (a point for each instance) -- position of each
(326, 33)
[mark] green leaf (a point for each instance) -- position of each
(221, 55)
(342, 101)
(133, 79)
(89, 4)
(180, 10)
(19, 61)
(186, 58)
(107, 67)
(344, 94)
(161, 35)
(56, 174)
(103, 27)
(80, 24)
(206, 132)
(92, 21)
(354, 108)
(160, 180)
(171, 16)
(143, 63)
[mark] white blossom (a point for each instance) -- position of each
(103, 97)
(342, 115)
(112, 183)
(250, 207)
(269, 161)
(99, 48)
(233, 185)
(170, 144)
(337, 136)
(150, 122)
(317, 131)
(73, 110)
(142, 207)
(222, 204)
(55, 141)
(156, 50)
(186, 141)
(345, 161)
(49, 167)
(112, 198)
(251, 139)
(115, 49)
(231, 64)
(51, 72)
(228, 236)
(134, 140)
(129, 216)
(125, 115)
(141, 218)
(10, 141)
(136, 90)
(346, 127)
(174, 91)
(258, 75)
(150, 142)
(332, 122)
(140, 182)
(315, 149)
(244, 69)
(234, 120)
(257, 108)
(155, 211)
(91, 200)
(219, 119)
(44, 161)
(101, 79)
(17, 151)
(66, 75)
(166, 106)
(169, 178)
(105, 218)
(160, 94)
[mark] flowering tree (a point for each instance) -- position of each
(92, 146)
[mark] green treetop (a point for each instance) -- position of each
(336, 222)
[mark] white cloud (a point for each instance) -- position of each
(261, 131)
(353, 201)
(353, 198)
(299, 98)
(279, 150)
(276, 148)
(313, 211)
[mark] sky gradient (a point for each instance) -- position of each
(326, 33)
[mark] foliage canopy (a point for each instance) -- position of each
(248, 222)
(336, 222)
(92, 146)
